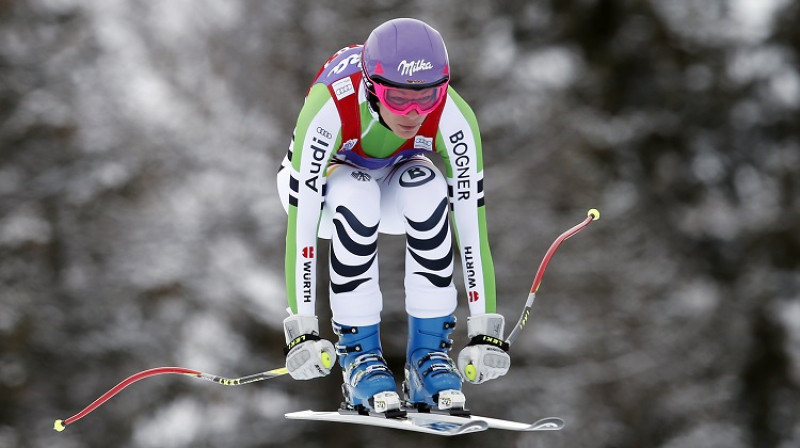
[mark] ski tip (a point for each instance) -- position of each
(594, 213)
(473, 426)
(59, 425)
(548, 424)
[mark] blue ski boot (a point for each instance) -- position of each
(432, 378)
(369, 385)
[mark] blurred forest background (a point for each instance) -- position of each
(139, 223)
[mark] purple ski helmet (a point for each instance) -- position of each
(405, 53)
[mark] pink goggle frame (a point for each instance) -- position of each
(402, 101)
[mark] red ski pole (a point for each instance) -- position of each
(592, 215)
(60, 425)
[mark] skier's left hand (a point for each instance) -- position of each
(485, 358)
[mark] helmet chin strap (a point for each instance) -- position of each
(372, 103)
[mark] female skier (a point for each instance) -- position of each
(358, 165)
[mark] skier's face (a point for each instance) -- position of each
(404, 126)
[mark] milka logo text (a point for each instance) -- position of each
(409, 68)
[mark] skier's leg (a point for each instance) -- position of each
(353, 199)
(419, 193)
(415, 194)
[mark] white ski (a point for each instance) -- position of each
(427, 423)
(544, 424)
(433, 423)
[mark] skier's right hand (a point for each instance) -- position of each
(307, 356)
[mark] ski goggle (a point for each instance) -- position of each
(402, 101)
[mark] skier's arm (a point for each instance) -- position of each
(485, 357)
(315, 137)
(307, 356)
(459, 144)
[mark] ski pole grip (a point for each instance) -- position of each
(326, 359)
(470, 372)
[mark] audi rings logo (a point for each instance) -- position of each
(343, 87)
(324, 132)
